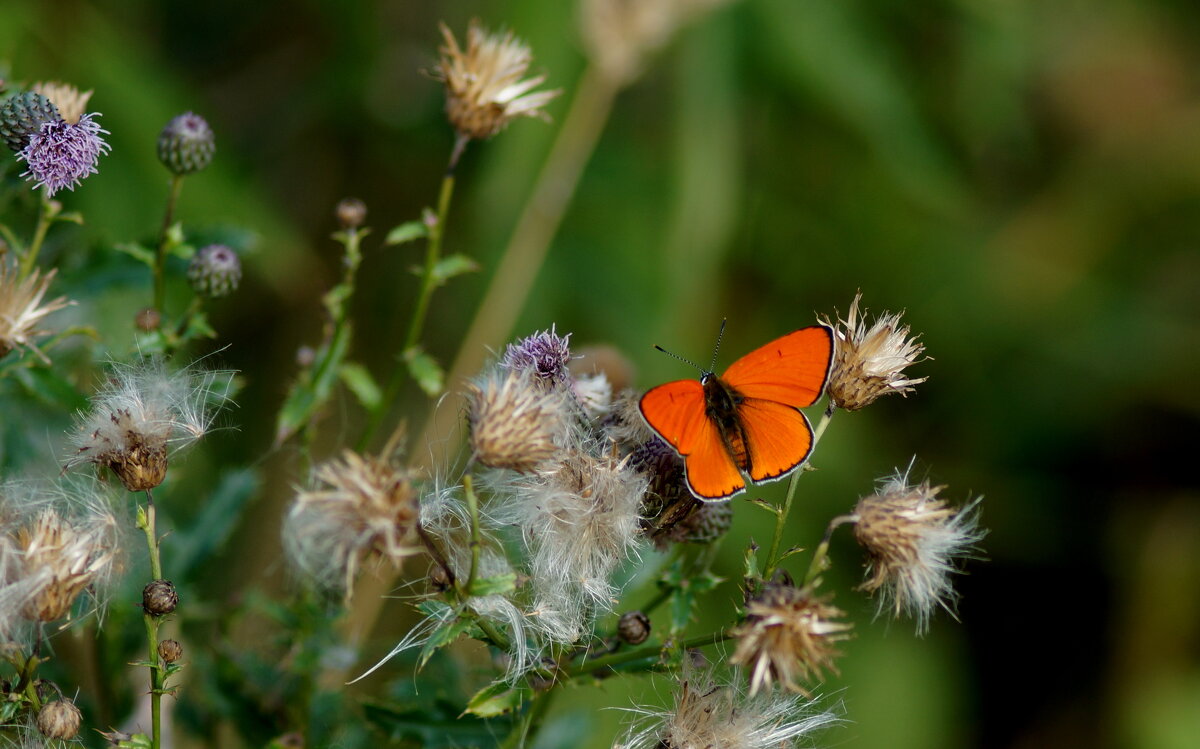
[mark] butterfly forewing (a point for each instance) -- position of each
(790, 370)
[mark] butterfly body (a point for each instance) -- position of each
(744, 426)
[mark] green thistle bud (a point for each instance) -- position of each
(186, 144)
(215, 271)
(22, 116)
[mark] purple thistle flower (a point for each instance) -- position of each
(60, 154)
(544, 354)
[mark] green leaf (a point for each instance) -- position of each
(360, 382)
(137, 252)
(407, 232)
(488, 586)
(753, 572)
(432, 726)
(425, 371)
(497, 699)
(51, 388)
(763, 504)
(70, 217)
(443, 636)
(307, 395)
(198, 327)
(449, 267)
(790, 552)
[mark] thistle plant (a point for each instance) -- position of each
(546, 540)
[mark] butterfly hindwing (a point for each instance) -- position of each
(791, 370)
(676, 412)
(778, 438)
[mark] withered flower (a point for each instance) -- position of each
(870, 361)
(514, 422)
(484, 89)
(21, 308)
(789, 634)
(142, 415)
(358, 506)
(912, 539)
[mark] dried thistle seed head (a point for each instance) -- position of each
(170, 651)
(870, 361)
(215, 271)
(22, 115)
(59, 719)
(70, 101)
(186, 144)
(359, 505)
(61, 154)
(708, 715)
(58, 559)
(633, 627)
(21, 308)
(625, 425)
(142, 415)
(544, 356)
(514, 423)
(912, 539)
(484, 90)
(351, 213)
(707, 522)
(789, 634)
(159, 597)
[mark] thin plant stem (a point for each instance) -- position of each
(433, 253)
(527, 247)
(648, 651)
(148, 525)
(527, 727)
(160, 256)
(46, 214)
(781, 515)
(476, 540)
(821, 555)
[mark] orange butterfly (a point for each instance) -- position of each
(745, 423)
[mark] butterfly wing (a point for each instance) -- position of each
(778, 438)
(791, 370)
(676, 412)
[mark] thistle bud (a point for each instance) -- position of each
(633, 627)
(159, 597)
(22, 116)
(147, 319)
(59, 720)
(215, 271)
(186, 144)
(351, 213)
(170, 651)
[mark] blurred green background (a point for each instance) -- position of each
(1022, 177)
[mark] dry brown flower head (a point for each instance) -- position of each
(70, 101)
(870, 361)
(21, 308)
(788, 635)
(484, 90)
(360, 505)
(62, 559)
(515, 424)
(911, 537)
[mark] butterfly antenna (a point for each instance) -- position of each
(720, 334)
(680, 358)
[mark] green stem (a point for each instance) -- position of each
(152, 622)
(160, 256)
(528, 726)
(45, 218)
(821, 556)
(476, 538)
(781, 516)
(433, 253)
(648, 651)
